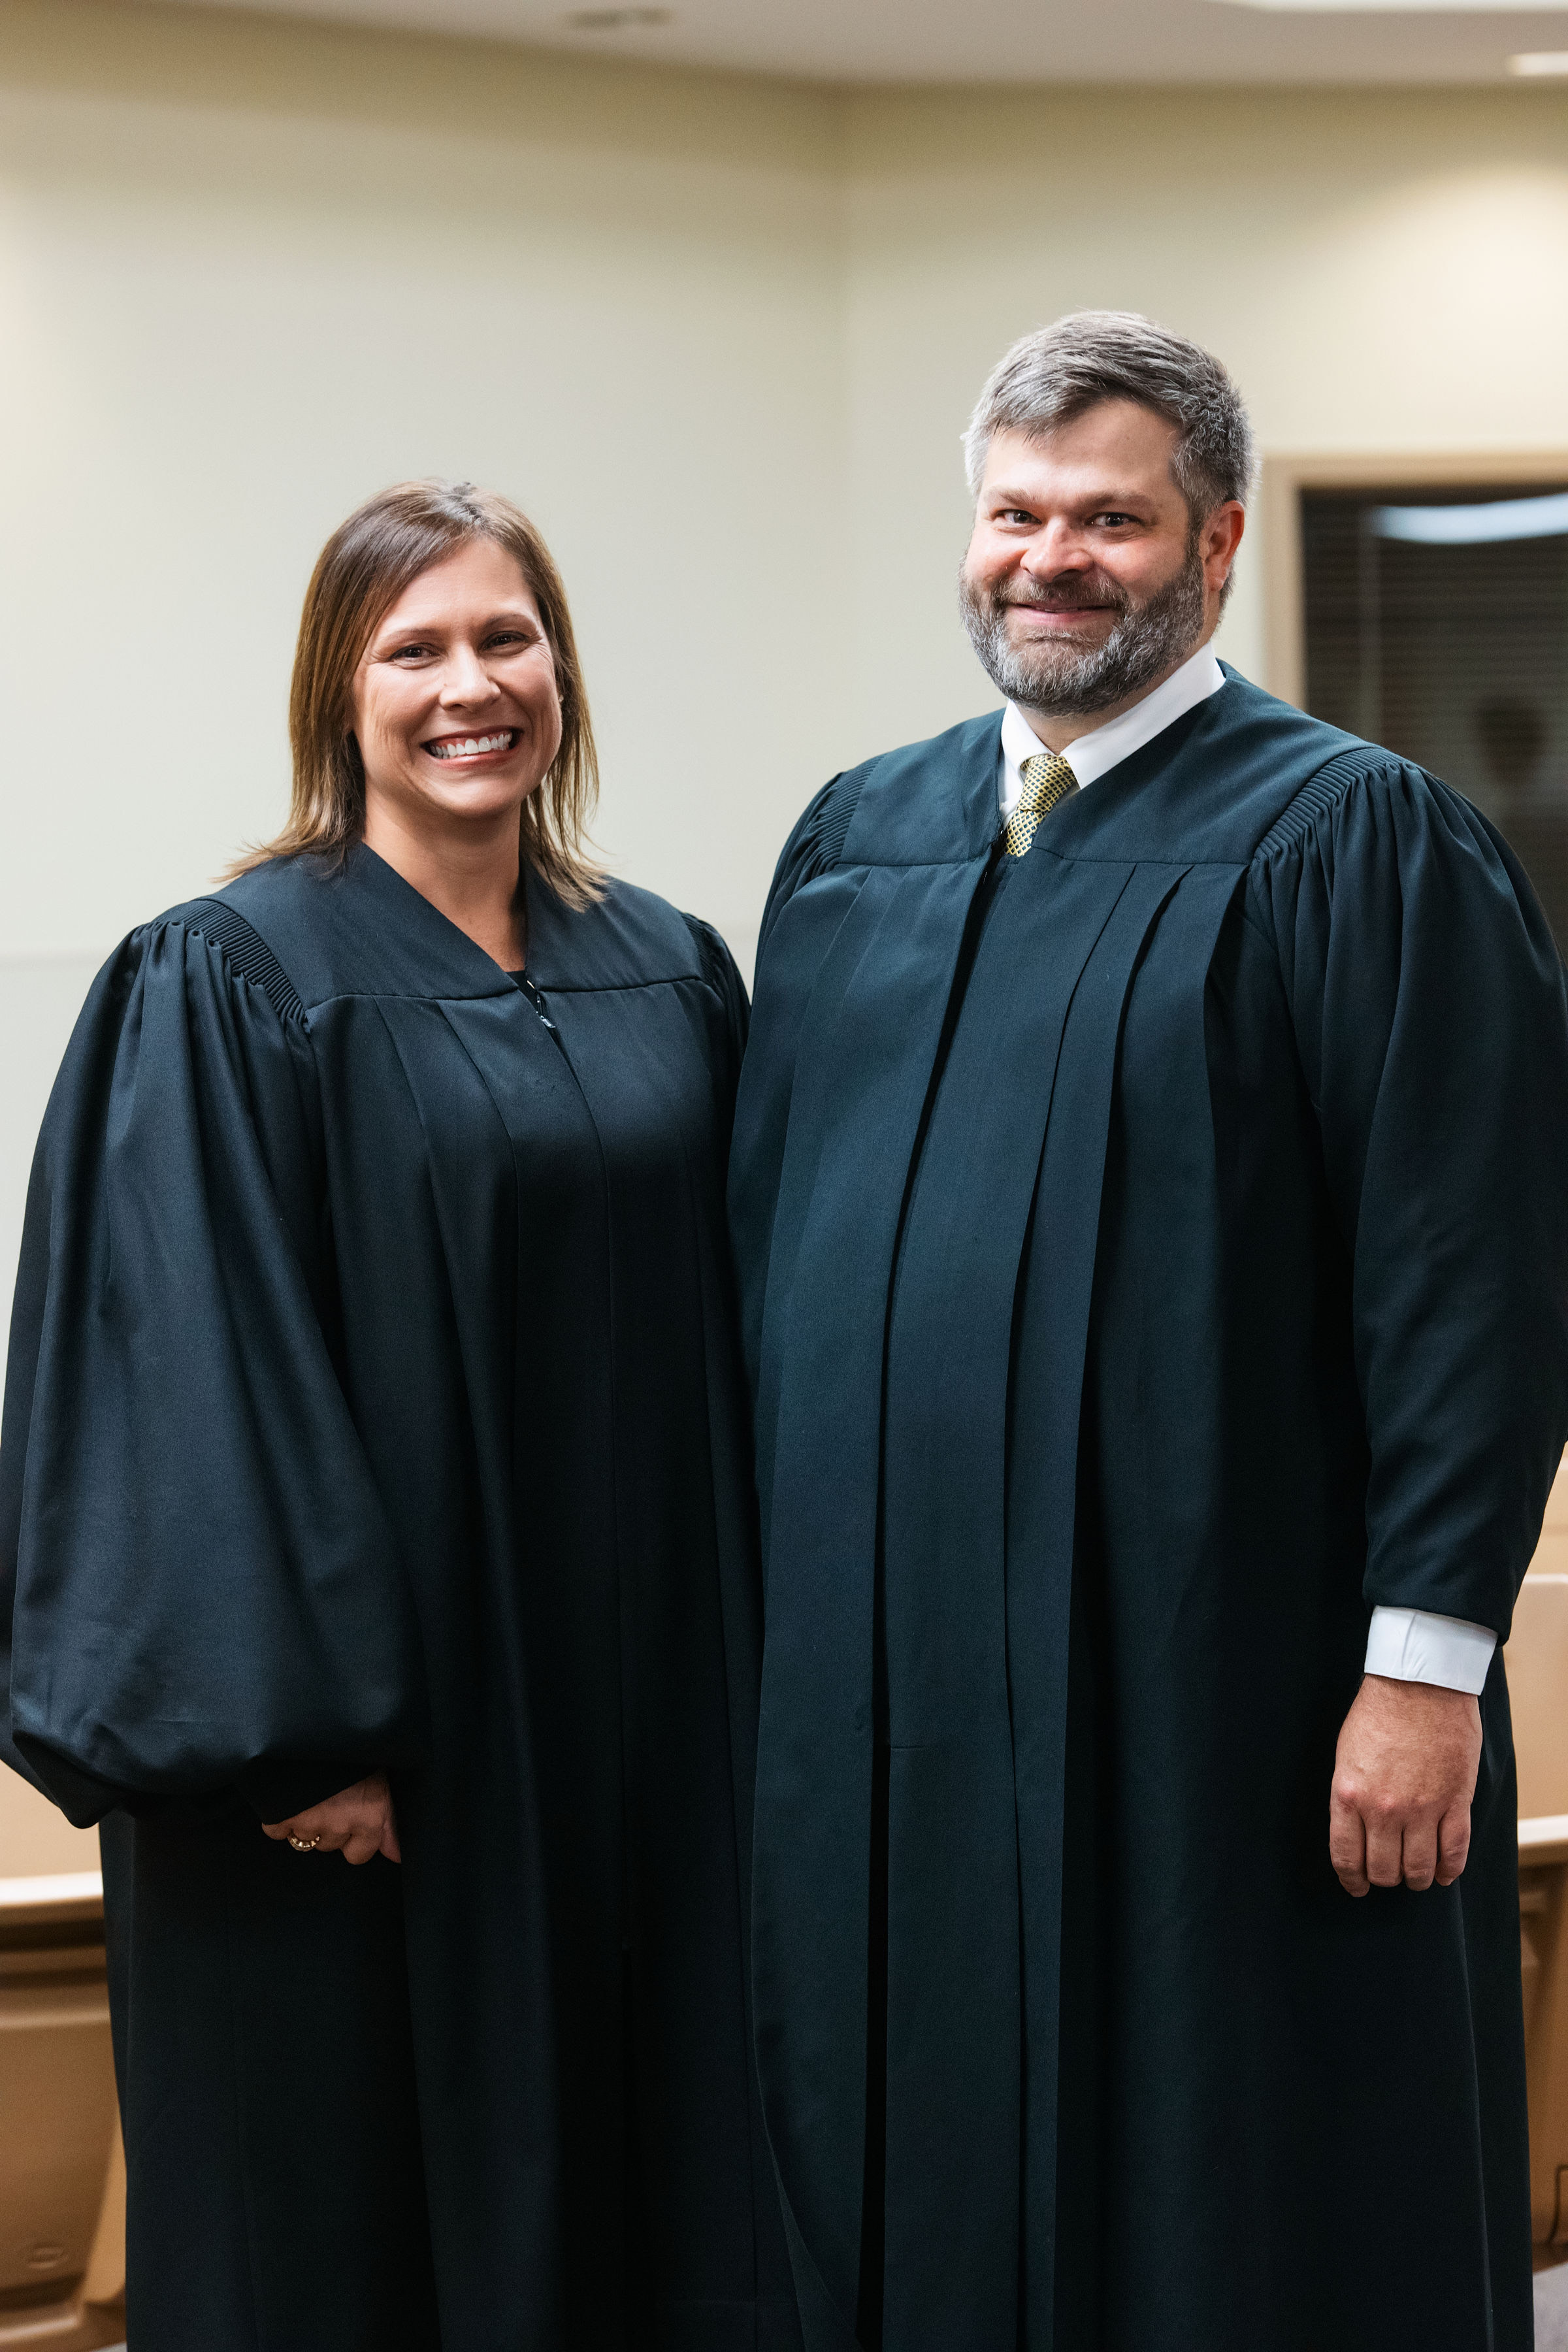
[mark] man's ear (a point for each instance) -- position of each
(1218, 542)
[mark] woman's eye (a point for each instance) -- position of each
(412, 653)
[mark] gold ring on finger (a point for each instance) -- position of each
(305, 1846)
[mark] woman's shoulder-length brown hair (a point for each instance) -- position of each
(361, 572)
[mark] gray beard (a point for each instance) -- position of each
(1147, 641)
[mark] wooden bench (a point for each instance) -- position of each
(62, 2172)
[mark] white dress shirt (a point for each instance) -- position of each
(1408, 1645)
(1090, 755)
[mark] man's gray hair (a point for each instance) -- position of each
(1053, 376)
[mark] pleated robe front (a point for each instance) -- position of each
(1153, 1255)
(373, 1401)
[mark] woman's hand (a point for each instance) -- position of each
(358, 1823)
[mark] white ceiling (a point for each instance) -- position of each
(1007, 41)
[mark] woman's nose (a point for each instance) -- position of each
(466, 679)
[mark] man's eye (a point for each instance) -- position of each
(1017, 514)
(1111, 520)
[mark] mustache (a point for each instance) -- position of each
(1080, 592)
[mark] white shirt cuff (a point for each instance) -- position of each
(1412, 1646)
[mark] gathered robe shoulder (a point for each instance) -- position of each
(214, 1604)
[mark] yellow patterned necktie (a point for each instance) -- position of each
(1047, 777)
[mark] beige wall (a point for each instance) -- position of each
(720, 336)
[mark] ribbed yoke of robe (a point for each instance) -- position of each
(1153, 1256)
(373, 1401)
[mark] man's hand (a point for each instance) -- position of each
(358, 1823)
(1405, 1773)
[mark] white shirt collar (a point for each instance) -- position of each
(1105, 747)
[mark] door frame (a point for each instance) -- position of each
(1283, 478)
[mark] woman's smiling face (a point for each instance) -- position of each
(456, 710)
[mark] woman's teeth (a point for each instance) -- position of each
(469, 747)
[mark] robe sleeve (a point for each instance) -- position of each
(722, 975)
(1427, 999)
(201, 1592)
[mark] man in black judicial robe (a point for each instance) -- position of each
(1149, 1185)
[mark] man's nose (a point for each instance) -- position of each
(1059, 547)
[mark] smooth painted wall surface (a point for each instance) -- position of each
(720, 336)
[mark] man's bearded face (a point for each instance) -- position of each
(1149, 637)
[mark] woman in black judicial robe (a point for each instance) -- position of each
(375, 1468)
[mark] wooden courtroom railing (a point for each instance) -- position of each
(62, 2174)
(1537, 1692)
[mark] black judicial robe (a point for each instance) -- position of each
(372, 1401)
(1154, 1254)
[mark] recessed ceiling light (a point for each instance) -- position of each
(618, 20)
(1410, 7)
(1539, 61)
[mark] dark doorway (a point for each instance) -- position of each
(1436, 621)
